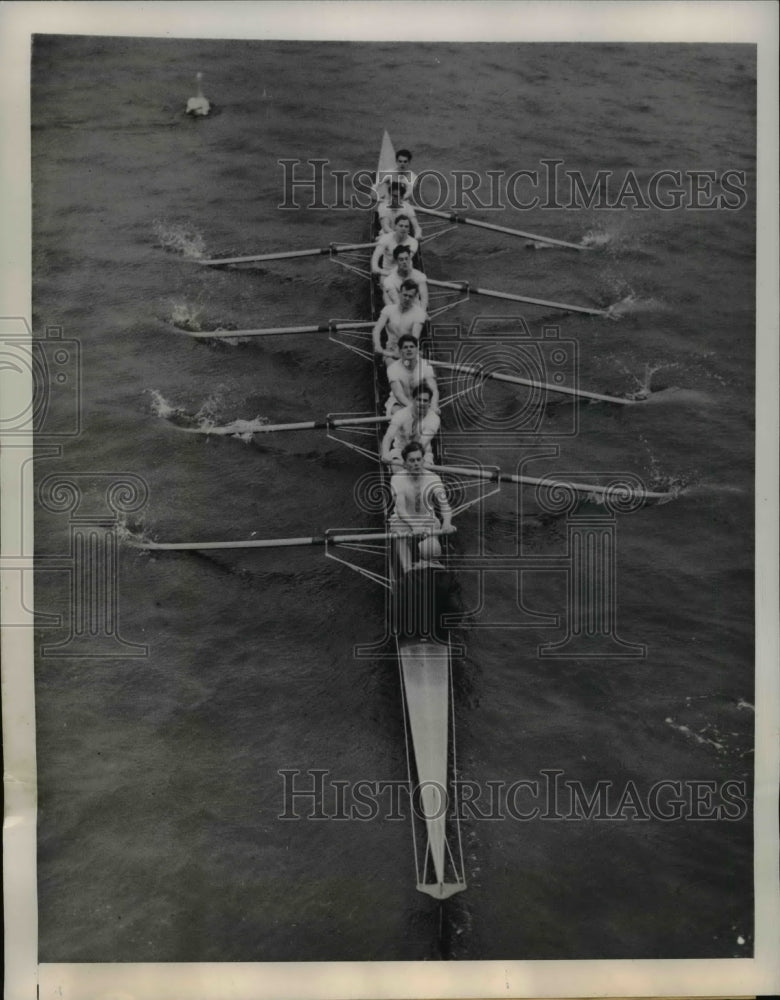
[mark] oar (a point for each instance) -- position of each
(517, 380)
(248, 426)
(273, 543)
(505, 477)
(276, 331)
(461, 220)
(464, 286)
(283, 255)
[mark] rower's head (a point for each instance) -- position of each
(409, 292)
(403, 257)
(421, 398)
(403, 225)
(397, 192)
(403, 158)
(413, 456)
(408, 346)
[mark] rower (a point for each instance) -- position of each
(407, 373)
(398, 318)
(417, 494)
(403, 269)
(402, 174)
(396, 204)
(382, 260)
(414, 423)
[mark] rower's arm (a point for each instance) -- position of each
(445, 511)
(426, 436)
(397, 389)
(401, 500)
(416, 230)
(432, 384)
(389, 294)
(387, 442)
(376, 259)
(377, 332)
(422, 291)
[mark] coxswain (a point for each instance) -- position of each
(396, 204)
(416, 422)
(391, 285)
(382, 260)
(407, 373)
(402, 175)
(421, 507)
(398, 318)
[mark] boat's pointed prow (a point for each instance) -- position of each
(386, 156)
(441, 890)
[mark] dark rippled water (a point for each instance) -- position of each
(159, 786)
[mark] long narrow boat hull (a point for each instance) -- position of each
(425, 667)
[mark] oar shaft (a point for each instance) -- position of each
(283, 255)
(274, 543)
(464, 286)
(252, 543)
(462, 220)
(243, 427)
(275, 331)
(505, 477)
(533, 383)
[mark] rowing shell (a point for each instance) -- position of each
(425, 668)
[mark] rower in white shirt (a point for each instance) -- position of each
(391, 285)
(421, 508)
(398, 318)
(382, 260)
(416, 422)
(406, 374)
(402, 174)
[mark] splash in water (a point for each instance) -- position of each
(132, 533)
(161, 407)
(632, 305)
(596, 239)
(179, 238)
(687, 731)
(206, 419)
(186, 316)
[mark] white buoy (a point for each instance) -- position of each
(198, 105)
